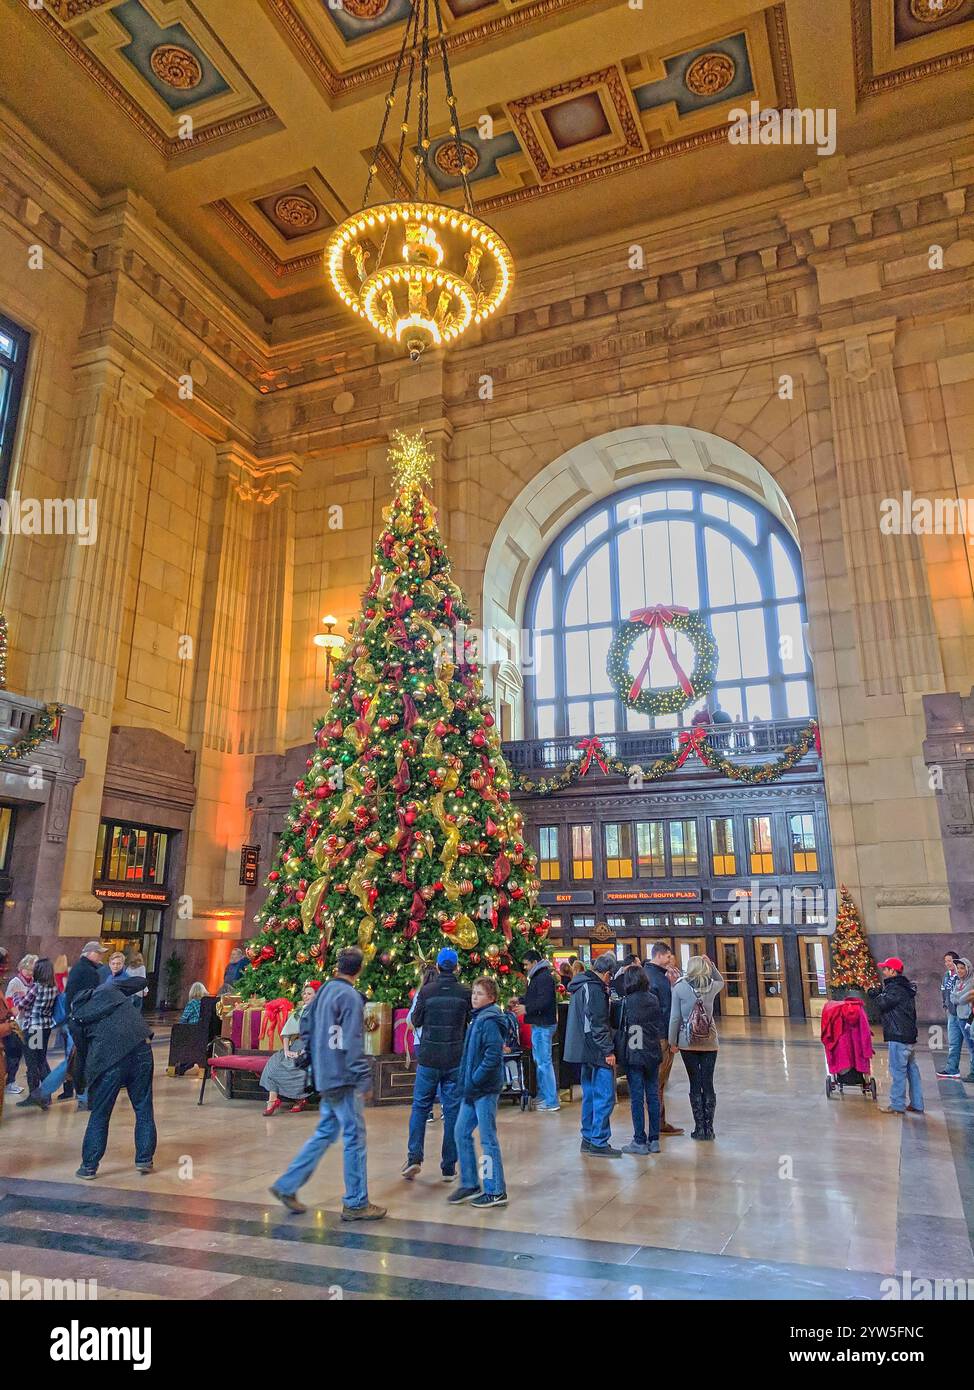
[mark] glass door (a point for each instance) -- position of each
(769, 957)
(687, 946)
(815, 973)
(730, 963)
(132, 929)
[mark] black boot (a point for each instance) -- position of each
(709, 1109)
(699, 1130)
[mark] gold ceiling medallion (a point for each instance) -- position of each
(295, 211)
(365, 9)
(176, 66)
(419, 271)
(930, 11)
(448, 156)
(710, 74)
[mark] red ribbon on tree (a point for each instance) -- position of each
(592, 748)
(655, 619)
(691, 741)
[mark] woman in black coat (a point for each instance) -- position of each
(640, 1029)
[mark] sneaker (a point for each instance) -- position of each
(34, 1100)
(603, 1151)
(490, 1199)
(547, 1109)
(584, 1147)
(13, 1090)
(948, 1075)
(86, 1173)
(370, 1212)
(653, 1146)
(635, 1148)
(888, 1110)
(288, 1200)
(463, 1194)
(411, 1167)
(449, 1177)
(912, 1110)
(144, 1168)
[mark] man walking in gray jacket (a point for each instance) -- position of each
(332, 1031)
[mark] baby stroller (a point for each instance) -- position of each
(848, 1047)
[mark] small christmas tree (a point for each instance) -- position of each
(401, 837)
(853, 966)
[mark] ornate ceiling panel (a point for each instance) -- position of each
(900, 41)
(159, 62)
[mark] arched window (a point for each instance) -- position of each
(686, 543)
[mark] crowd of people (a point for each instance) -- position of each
(629, 1018)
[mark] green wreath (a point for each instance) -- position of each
(673, 698)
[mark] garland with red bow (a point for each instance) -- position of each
(653, 623)
(695, 742)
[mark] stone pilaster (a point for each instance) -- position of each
(264, 697)
(897, 635)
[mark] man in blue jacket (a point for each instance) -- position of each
(441, 1015)
(332, 1031)
(589, 1043)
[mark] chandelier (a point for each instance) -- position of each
(419, 271)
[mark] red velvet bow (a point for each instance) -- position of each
(817, 736)
(592, 747)
(692, 741)
(656, 619)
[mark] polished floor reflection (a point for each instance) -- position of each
(800, 1197)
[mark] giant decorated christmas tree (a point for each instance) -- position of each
(401, 837)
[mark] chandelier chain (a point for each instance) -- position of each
(451, 102)
(390, 102)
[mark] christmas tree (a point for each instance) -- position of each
(401, 838)
(852, 962)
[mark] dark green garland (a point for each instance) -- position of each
(11, 752)
(750, 774)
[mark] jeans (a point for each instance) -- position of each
(480, 1114)
(643, 1096)
(428, 1079)
(598, 1102)
(541, 1052)
(134, 1072)
(342, 1111)
(903, 1071)
(35, 1055)
(700, 1069)
(968, 1034)
(955, 1039)
(13, 1051)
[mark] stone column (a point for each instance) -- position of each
(948, 752)
(897, 635)
(86, 607)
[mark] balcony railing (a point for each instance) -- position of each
(756, 743)
(18, 715)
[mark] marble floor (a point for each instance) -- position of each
(800, 1197)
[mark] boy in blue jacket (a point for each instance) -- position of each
(481, 1081)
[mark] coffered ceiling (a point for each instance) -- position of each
(249, 124)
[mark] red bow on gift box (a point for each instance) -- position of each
(592, 748)
(692, 741)
(276, 1014)
(655, 619)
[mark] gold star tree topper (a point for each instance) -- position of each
(412, 463)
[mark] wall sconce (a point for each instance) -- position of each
(332, 643)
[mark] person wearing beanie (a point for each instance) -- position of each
(440, 1015)
(896, 1001)
(541, 1013)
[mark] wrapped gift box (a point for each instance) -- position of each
(400, 1032)
(378, 1029)
(225, 1006)
(245, 1027)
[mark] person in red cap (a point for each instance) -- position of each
(896, 1002)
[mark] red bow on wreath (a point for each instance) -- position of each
(592, 748)
(656, 619)
(691, 741)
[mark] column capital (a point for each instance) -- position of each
(107, 370)
(254, 479)
(857, 350)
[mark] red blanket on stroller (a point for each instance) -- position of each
(846, 1037)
